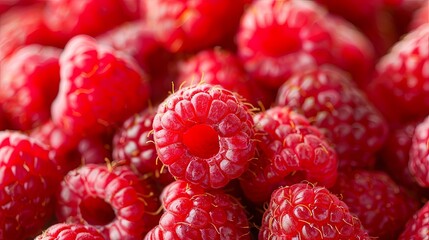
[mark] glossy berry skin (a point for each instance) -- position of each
(417, 226)
(29, 80)
(204, 134)
(133, 145)
(400, 89)
(192, 213)
(28, 181)
(189, 26)
(114, 201)
(216, 67)
(93, 79)
(330, 100)
(287, 146)
(419, 154)
(381, 205)
(70, 231)
(302, 211)
(90, 17)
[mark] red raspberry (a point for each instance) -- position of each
(420, 16)
(395, 154)
(6, 5)
(328, 98)
(418, 226)
(286, 144)
(401, 87)
(93, 80)
(114, 201)
(90, 17)
(381, 205)
(301, 211)
(216, 67)
(419, 154)
(204, 134)
(277, 38)
(188, 26)
(24, 25)
(133, 145)
(29, 80)
(28, 181)
(192, 213)
(70, 231)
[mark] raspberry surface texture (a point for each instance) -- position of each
(330, 100)
(94, 79)
(205, 135)
(301, 211)
(288, 146)
(192, 213)
(70, 231)
(133, 145)
(381, 205)
(419, 154)
(115, 202)
(29, 80)
(418, 226)
(28, 181)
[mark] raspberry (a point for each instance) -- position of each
(192, 213)
(401, 88)
(70, 231)
(90, 17)
(114, 201)
(395, 154)
(188, 26)
(25, 25)
(204, 134)
(133, 145)
(29, 80)
(330, 100)
(381, 205)
(216, 67)
(420, 16)
(418, 226)
(28, 181)
(277, 38)
(301, 211)
(419, 154)
(93, 79)
(287, 144)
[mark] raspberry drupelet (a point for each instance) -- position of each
(204, 134)
(70, 231)
(419, 154)
(289, 150)
(303, 211)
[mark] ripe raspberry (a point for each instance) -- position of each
(70, 231)
(328, 98)
(133, 145)
(418, 226)
(28, 181)
(192, 213)
(287, 144)
(381, 205)
(90, 17)
(93, 80)
(204, 134)
(420, 16)
(29, 80)
(395, 154)
(216, 67)
(301, 211)
(277, 38)
(419, 154)
(188, 26)
(114, 201)
(22, 26)
(401, 88)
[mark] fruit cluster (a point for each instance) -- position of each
(214, 119)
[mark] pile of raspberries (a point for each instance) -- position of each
(214, 119)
